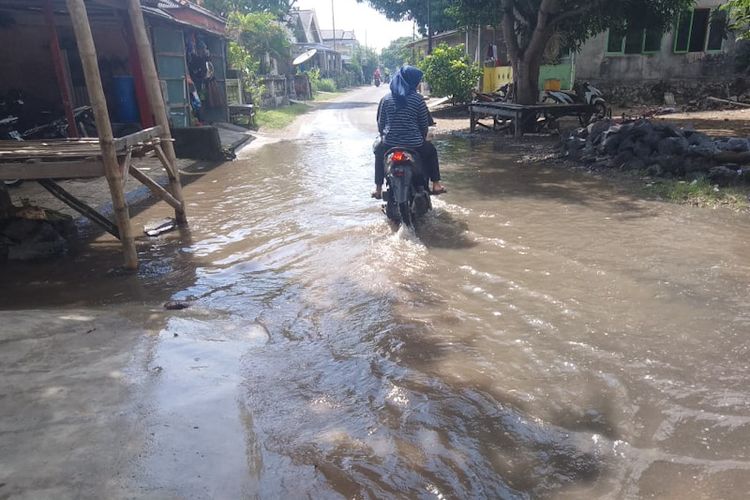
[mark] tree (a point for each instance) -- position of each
(529, 25)
(450, 73)
(366, 59)
(278, 8)
(396, 54)
(254, 36)
(739, 11)
(259, 33)
(398, 10)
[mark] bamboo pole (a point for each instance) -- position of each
(87, 51)
(153, 89)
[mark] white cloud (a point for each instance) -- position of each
(363, 19)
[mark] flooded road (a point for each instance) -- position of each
(545, 335)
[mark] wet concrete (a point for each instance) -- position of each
(545, 334)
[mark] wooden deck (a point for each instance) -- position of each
(51, 160)
(521, 113)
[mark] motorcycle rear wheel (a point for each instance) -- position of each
(404, 211)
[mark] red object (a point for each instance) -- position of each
(144, 106)
(62, 82)
(399, 157)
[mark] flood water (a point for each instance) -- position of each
(543, 335)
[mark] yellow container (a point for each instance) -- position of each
(552, 84)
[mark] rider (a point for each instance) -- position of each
(376, 75)
(403, 121)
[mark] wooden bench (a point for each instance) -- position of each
(521, 113)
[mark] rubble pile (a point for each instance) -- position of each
(689, 95)
(659, 149)
(35, 233)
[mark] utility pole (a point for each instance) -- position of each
(429, 27)
(413, 39)
(333, 21)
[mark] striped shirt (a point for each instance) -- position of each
(406, 126)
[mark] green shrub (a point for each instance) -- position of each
(314, 76)
(326, 85)
(344, 80)
(450, 73)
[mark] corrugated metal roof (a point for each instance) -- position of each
(340, 34)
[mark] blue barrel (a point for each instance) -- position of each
(126, 103)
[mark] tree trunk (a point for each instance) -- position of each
(526, 80)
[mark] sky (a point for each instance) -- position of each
(360, 17)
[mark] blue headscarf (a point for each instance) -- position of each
(404, 83)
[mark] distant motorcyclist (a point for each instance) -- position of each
(403, 121)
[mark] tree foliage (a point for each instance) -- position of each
(396, 54)
(450, 73)
(441, 13)
(367, 60)
(739, 11)
(278, 8)
(259, 34)
(254, 36)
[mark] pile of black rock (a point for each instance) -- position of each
(659, 150)
(34, 234)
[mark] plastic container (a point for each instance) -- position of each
(552, 84)
(126, 103)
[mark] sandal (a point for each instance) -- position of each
(377, 195)
(439, 191)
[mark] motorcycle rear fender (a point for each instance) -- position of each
(400, 186)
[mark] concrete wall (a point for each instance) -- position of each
(594, 64)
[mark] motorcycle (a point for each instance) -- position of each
(376, 80)
(585, 93)
(407, 197)
(58, 128)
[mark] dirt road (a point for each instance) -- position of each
(544, 335)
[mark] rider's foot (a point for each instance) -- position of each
(377, 193)
(438, 188)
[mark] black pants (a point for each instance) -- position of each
(427, 153)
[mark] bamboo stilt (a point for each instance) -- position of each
(153, 89)
(87, 51)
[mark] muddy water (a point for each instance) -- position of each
(543, 335)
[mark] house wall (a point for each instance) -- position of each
(489, 35)
(677, 71)
(26, 60)
(344, 47)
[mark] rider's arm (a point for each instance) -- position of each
(382, 118)
(423, 118)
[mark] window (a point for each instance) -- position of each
(700, 30)
(717, 30)
(615, 42)
(652, 41)
(634, 41)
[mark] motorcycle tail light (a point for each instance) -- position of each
(400, 157)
